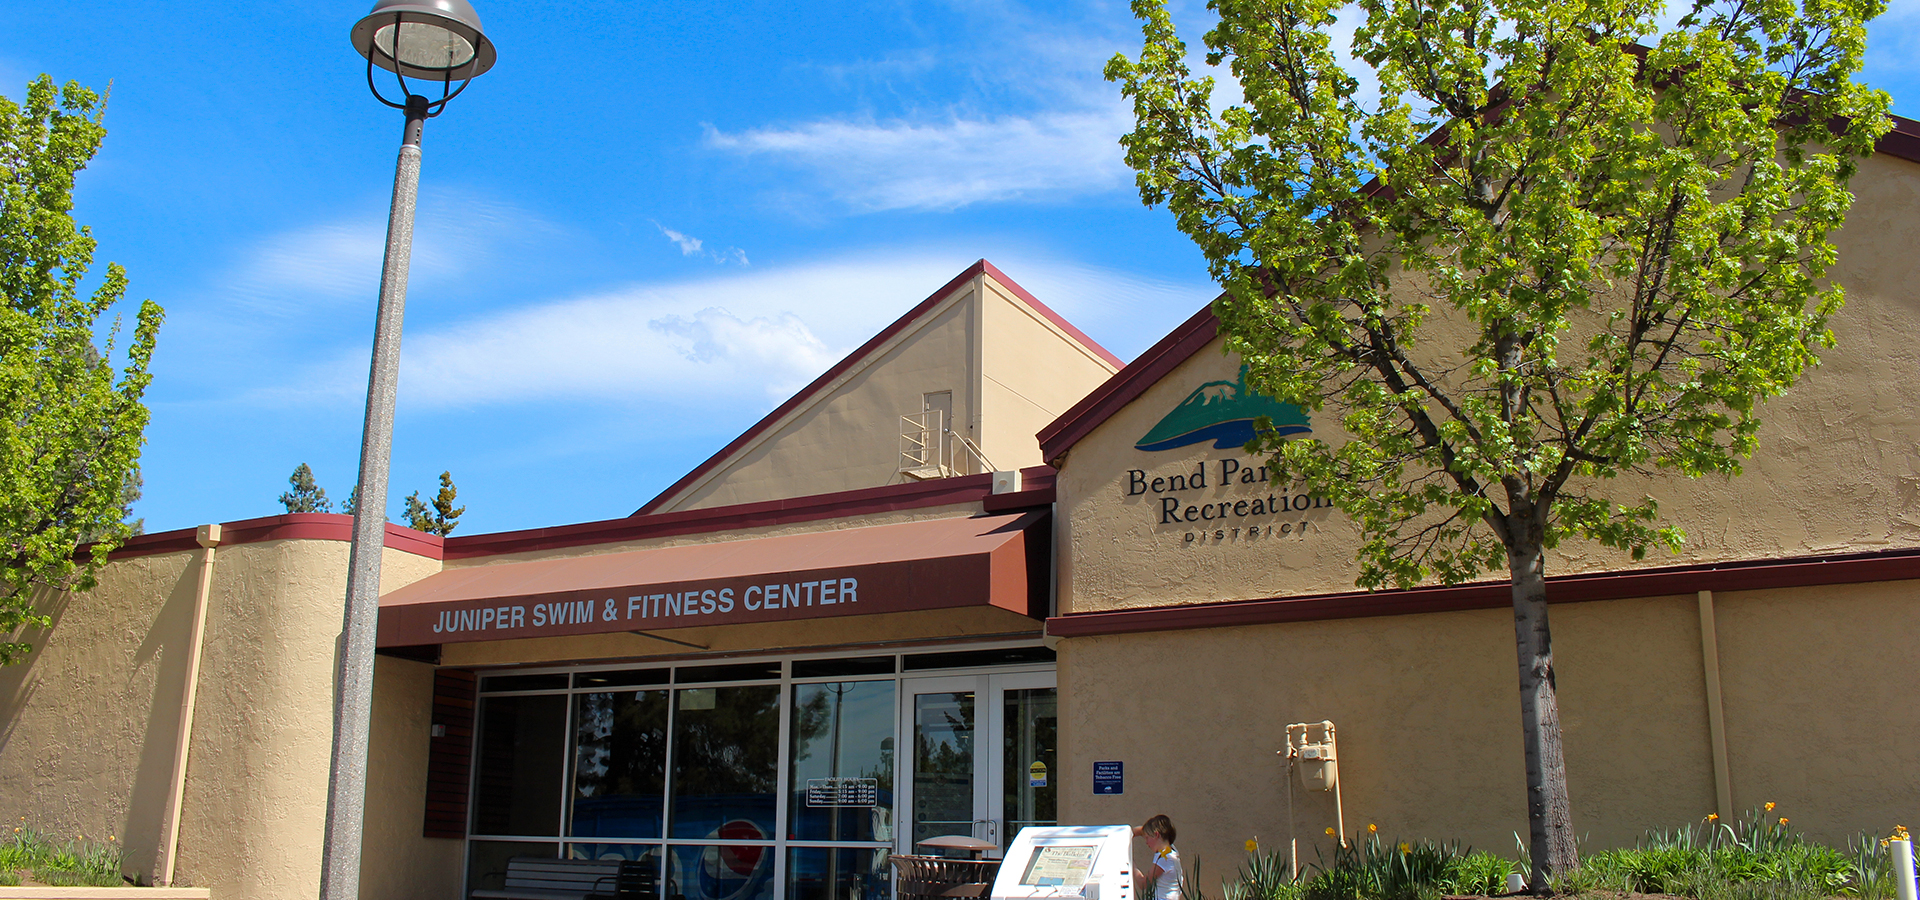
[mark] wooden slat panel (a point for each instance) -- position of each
(450, 756)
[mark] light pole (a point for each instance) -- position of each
(434, 41)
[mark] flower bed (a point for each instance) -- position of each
(1759, 857)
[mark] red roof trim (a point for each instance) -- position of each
(1128, 384)
(850, 360)
(289, 527)
(910, 495)
(1891, 565)
(1903, 141)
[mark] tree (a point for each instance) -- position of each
(306, 495)
(1548, 255)
(443, 517)
(71, 425)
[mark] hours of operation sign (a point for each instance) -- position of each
(843, 792)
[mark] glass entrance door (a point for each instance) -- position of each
(982, 757)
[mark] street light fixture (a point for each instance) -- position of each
(430, 40)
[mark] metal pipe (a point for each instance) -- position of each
(1902, 869)
(209, 538)
(353, 704)
(1716, 714)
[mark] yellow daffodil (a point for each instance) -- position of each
(1404, 849)
(1329, 832)
(1372, 828)
(1769, 806)
(1253, 845)
(1713, 817)
(1783, 820)
(1899, 834)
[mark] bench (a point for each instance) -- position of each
(535, 878)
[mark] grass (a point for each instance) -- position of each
(1759, 857)
(73, 863)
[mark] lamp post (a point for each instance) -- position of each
(432, 41)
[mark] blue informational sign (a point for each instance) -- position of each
(1109, 777)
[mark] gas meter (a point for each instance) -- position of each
(1319, 766)
(1316, 758)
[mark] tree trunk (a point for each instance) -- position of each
(1549, 819)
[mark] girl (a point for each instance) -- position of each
(1162, 882)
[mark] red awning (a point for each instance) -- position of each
(931, 564)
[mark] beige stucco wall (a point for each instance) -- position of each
(1031, 371)
(848, 436)
(88, 725)
(1426, 712)
(396, 862)
(1011, 372)
(1836, 469)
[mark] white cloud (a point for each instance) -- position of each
(691, 246)
(688, 245)
(455, 235)
(872, 166)
(746, 338)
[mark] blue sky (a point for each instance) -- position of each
(643, 229)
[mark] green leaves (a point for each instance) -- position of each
(70, 423)
(442, 517)
(1559, 248)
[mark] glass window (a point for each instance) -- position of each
(556, 681)
(522, 759)
(838, 873)
(942, 764)
(842, 762)
(1031, 760)
(648, 855)
(740, 672)
(487, 861)
(726, 758)
(972, 658)
(843, 668)
(619, 764)
(721, 871)
(627, 678)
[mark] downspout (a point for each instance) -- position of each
(1716, 714)
(208, 537)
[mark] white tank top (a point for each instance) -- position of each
(1167, 886)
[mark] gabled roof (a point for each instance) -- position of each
(822, 386)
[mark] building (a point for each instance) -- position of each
(890, 611)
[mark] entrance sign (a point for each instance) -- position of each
(1088, 862)
(1109, 778)
(929, 564)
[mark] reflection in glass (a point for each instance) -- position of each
(487, 861)
(942, 764)
(521, 758)
(837, 873)
(1031, 760)
(720, 872)
(726, 759)
(649, 856)
(619, 764)
(842, 777)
